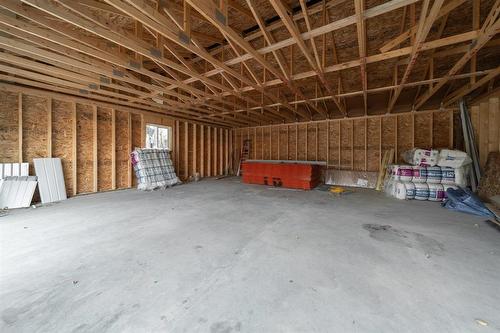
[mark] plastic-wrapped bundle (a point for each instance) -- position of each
(434, 175)
(405, 173)
(419, 174)
(390, 187)
(153, 168)
(461, 176)
(436, 192)
(453, 158)
(422, 157)
(463, 200)
(394, 171)
(421, 191)
(447, 175)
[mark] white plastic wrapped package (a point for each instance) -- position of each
(421, 191)
(461, 176)
(390, 187)
(447, 175)
(400, 190)
(453, 158)
(419, 174)
(434, 175)
(405, 173)
(410, 190)
(394, 171)
(436, 192)
(422, 157)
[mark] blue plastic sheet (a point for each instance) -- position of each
(463, 200)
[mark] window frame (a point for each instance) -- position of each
(169, 128)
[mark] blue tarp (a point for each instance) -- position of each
(463, 200)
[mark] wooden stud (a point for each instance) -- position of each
(209, 152)
(177, 146)
(49, 127)
(202, 150)
(396, 123)
(143, 132)
(73, 151)
(296, 142)
(340, 144)
(352, 144)
(130, 148)
(483, 132)
(494, 125)
(221, 152)
(194, 152)
(366, 144)
(451, 130)
(226, 152)
(327, 143)
(94, 149)
(113, 149)
(20, 127)
(186, 150)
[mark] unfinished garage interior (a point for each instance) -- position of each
(249, 166)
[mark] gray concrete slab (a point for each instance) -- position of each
(220, 256)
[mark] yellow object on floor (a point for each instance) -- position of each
(337, 189)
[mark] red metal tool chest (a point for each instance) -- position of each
(289, 174)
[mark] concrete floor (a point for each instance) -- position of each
(219, 256)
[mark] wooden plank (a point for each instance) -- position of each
(177, 146)
(113, 149)
(209, 152)
(20, 127)
(483, 132)
(49, 127)
(494, 118)
(221, 152)
(94, 148)
(451, 130)
(327, 143)
(186, 150)
(129, 144)
(194, 152)
(202, 150)
(340, 144)
(74, 145)
(143, 132)
(226, 152)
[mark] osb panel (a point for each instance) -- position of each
(136, 138)
(104, 149)
(346, 144)
(275, 143)
(373, 154)
(388, 133)
(441, 129)
(190, 149)
(267, 143)
(423, 130)
(292, 142)
(122, 149)
(62, 139)
(322, 144)
(405, 128)
(302, 142)
(283, 134)
(311, 142)
(35, 117)
(359, 144)
(84, 149)
(9, 122)
(334, 134)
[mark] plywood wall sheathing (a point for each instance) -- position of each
(351, 143)
(485, 118)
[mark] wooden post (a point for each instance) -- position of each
(327, 142)
(316, 153)
(202, 151)
(396, 123)
(209, 152)
(177, 146)
(352, 144)
(194, 149)
(380, 142)
(143, 132)
(296, 140)
(215, 152)
(226, 152)
(221, 152)
(450, 141)
(74, 152)
(129, 134)
(340, 144)
(113, 149)
(366, 144)
(94, 147)
(49, 127)
(186, 150)
(20, 126)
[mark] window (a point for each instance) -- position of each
(157, 136)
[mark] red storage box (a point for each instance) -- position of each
(289, 174)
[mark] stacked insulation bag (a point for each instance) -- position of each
(153, 168)
(432, 172)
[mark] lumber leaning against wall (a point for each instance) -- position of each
(94, 159)
(485, 117)
(349, 144)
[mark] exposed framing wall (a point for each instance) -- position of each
(485, 117)
(349, 144)
(93, 158)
